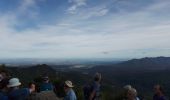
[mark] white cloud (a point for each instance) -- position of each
(75, 4)
(122, 35)
(29, 8)
(26, 4)
(97, 11)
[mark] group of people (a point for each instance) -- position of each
(10, 89)
(130, 93)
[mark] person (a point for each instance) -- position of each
(95, 88)
(46, 85)
(126, 88)
(70, 94)
(132, 94)
(15, 93)
(43, 95)
(32, 85)
(159, 93)
(3, 89)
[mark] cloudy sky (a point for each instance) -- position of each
(84, 28)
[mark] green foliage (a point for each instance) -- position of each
(79, 92)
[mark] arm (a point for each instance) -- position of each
(92, 95)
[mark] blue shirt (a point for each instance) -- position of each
(70, 95)
(3, 97)
(19, 94)
(46, 87)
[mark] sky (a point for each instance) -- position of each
(84, 28)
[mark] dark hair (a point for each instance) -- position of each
(29, 85)
(160, 88)
(4, 83)
(96, 78)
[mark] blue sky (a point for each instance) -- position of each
(84, 28)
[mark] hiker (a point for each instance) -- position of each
(32, 85)
(15, 93)
(159, 93)
(92, 91)
(132, 94)
(3, 89)
(32, 95)
(126, 88)
(70, 94)
(43, 95)
(46, 85)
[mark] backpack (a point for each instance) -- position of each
(87, 89)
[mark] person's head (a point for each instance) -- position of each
(97, 77)
(13, 82)
(131, 94)
(68, 85)
(45, 79)
(127, 87)
(32, 86)
(158, 89)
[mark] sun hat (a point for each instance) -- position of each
(13, 82)
(69, 84)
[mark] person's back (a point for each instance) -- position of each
(95, 92)
(46, 87)
(70, 95)
(87, 89)
(96, 89)
(46, 95)
(19, 94)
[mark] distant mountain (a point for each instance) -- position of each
(27, 74)
(143, 64)
(158, 63)
(23, 62)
